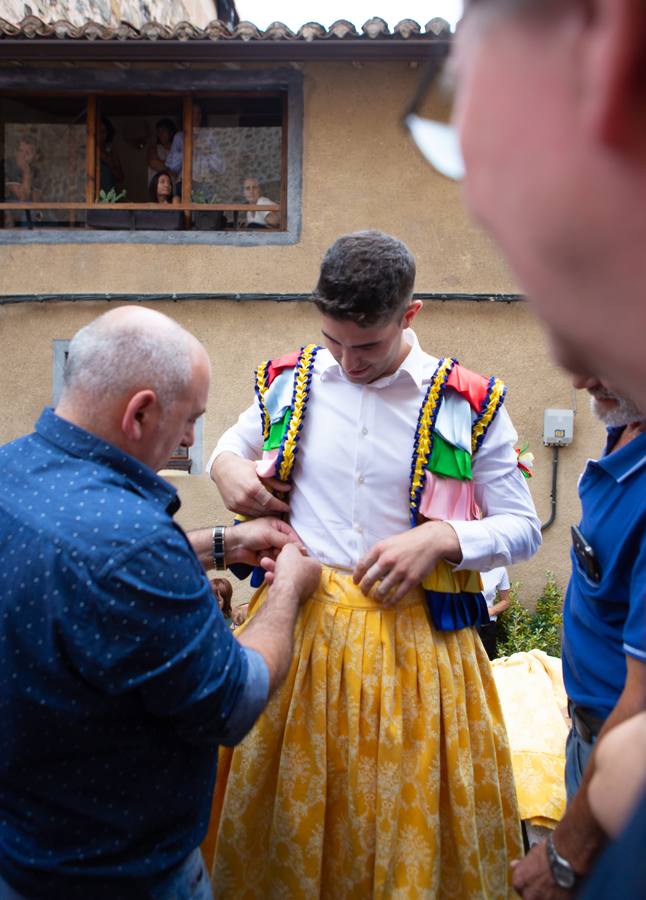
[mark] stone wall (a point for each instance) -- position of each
(112, 12)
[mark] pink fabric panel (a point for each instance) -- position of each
(266, 467)
(448, 498)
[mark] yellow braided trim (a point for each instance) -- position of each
(300, 401)
(424, 439)
(261, 382)
(483, 423)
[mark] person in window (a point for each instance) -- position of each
(252, 195)
(165, 131)
(208, 159)
(22, 180)
(111, 171)
(161, 189)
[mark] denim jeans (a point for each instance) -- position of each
(577, 754)
(188, 882)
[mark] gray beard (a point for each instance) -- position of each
(622, 414)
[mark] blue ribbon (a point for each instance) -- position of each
(451, 612)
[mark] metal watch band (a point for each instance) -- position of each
(219, 561)
(562, 872)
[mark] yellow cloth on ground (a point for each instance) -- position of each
(380, 768)
(530, 686)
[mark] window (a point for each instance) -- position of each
(183, 459)
(212, 164)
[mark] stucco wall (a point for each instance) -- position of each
(359, 171)
(500, 338)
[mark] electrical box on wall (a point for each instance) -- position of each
(558, 427)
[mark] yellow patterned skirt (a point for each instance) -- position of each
(380, 768)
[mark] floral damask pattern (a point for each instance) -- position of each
(379, 769)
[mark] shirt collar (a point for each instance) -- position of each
(412, 367)
(621, 464)
(83, 444)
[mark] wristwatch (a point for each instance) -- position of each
(562, 872)
(219, 562)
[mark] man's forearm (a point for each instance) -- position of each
(271, 632)
(579, 836)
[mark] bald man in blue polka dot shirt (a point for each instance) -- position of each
(118, 675)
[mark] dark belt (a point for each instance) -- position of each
(584, 723)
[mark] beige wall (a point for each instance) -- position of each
(359, 172)
(492, 338)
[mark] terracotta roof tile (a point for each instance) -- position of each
(375, 29)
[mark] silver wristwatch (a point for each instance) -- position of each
(217, 547)
(562, 872)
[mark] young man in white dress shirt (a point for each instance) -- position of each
(343, 473)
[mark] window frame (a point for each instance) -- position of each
(98, 82)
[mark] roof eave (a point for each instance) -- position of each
(44, 49)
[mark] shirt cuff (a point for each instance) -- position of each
(223, 448)
(251, 702)
(476, 546)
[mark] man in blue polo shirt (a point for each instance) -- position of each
(604, 618)
(118, 675)
(604, 629)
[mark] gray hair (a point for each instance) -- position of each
(105, 358)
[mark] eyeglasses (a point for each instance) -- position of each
(436, 141)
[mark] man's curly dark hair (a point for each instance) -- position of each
(367, 277)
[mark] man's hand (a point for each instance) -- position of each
(401, 562)
(243, 491)
(291, 568)
(532, 877)
(292, 578)
(263, 538)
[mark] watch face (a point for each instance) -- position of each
(562, 872)
(563, 876)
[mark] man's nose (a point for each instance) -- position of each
(587, 382)
(349, 360)
(189, 436)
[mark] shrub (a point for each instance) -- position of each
(522, 630)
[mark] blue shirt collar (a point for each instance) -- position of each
(83, 444)
(621, 464)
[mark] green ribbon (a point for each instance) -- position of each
(277, 430)
(449, 461)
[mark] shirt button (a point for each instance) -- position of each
(358, 529)
(364, 431)
(361, 479)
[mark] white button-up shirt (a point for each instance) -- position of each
(351, 476)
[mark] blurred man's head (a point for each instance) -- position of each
(365, 297)
(609, 407)
(549, 110)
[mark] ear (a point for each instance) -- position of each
(141, 411)
(412, 310)
(615, 71)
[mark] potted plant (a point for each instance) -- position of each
(113, 219)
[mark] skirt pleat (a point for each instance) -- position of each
(379, 769)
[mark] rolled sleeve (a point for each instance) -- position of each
(251, 702)
(244, 439)
(510, 530)
(635, 627)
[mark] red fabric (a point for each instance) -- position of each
(276, 366)
(471, 385)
